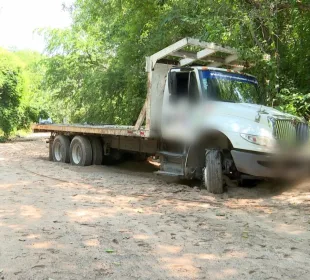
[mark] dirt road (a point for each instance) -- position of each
(124, 222)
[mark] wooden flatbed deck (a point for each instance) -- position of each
(91, 129)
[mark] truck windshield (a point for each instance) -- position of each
(229, 87)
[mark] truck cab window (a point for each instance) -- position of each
(182, 79)
(193, 88)
(229, 87)
(178, 86)
(185, 86)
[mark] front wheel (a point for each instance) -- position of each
(213, 172)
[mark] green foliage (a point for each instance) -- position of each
(95, 69)
(22, 99)
(28, 114)
(294, 102)
(3, 139)
(11, 89)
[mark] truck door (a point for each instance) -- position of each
(182, 96)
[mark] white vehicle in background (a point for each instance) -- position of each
(203, 121)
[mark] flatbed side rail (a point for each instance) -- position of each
(89, 129)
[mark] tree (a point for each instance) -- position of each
(12, 86)
(35, 101)
(96, 67)
(22, 100)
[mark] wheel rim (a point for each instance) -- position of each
(57, 151)
(76, 154)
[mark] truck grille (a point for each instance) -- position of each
(291, 132)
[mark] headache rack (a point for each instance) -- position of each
(189, 51)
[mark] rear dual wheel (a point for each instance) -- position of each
(97, 150)
(60, 149)
(81, 151)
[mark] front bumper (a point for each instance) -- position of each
(270, 165)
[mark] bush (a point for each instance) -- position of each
(3, 139)
(28, 115)
(294, 102)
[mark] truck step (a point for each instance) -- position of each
(165, 173)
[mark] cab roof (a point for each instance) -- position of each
(212, 69)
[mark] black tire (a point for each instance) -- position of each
(81, 153)
(213, 173)
(97, 150)
(61, 149)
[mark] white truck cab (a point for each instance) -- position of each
(211, 122)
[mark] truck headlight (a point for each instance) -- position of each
(259, 140)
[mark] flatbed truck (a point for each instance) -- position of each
(201, 117)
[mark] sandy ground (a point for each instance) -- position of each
(124, 222)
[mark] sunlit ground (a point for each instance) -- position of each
(124, 222)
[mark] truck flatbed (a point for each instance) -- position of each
(118, 130)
